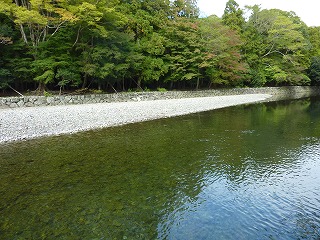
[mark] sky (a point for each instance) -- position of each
(307, 10)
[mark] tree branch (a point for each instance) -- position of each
(270, 51)
(15, 90)
(78, 34)
(57, 28)
(23, 34)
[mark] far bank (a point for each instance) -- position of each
(278, 93)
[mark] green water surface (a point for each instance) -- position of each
(245, 172)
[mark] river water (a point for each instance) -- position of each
(244, 172)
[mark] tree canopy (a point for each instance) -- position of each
(121, 45)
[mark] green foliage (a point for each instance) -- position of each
(96, 91)
(47, 94)
(314, 36)
(4, 78)
(67, 76)
(233, 16)
(6, 30)
(46, 77)
(159, 89)
(185, 8)
(120, 45)
(314, 70)
(276, 48)
(222, 60)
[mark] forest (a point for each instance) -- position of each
(130, 45)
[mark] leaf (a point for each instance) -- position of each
(189, 76)
(46, 77)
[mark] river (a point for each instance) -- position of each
(244, 172)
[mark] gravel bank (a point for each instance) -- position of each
(26, 123)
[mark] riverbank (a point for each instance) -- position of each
(278, 93)
(32, 122)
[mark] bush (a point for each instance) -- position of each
(161, 89)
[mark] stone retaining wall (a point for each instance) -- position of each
(32, 101)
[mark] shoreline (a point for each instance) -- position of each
(279, 93)
(18, 124)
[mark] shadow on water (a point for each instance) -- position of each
(246, 172)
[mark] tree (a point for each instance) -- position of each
(6, 35)
(38, 21)
(147, 19)
(221, 58)
(314, 70)
(284, 47)
(233, 16)
(314, 37)
(182, 51)
(254, 47)
(122, 44)
(185, 8)
(6, 30)
(96, 23)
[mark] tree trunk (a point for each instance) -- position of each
(23, 34)
(123, 84)
(198, 83)
(138, 83)
(85, 81)
(41, 88)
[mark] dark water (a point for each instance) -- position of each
(246, 172)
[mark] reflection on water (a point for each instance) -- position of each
(247, 172)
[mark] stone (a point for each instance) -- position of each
(28, 104)
(50, 100)
(13, 105)
(21, 103)
(3, 101)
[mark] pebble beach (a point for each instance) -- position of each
(24, 123)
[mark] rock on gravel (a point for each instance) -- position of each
(26, 123)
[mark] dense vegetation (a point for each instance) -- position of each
(147, 44)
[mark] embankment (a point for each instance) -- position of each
(278, 93)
